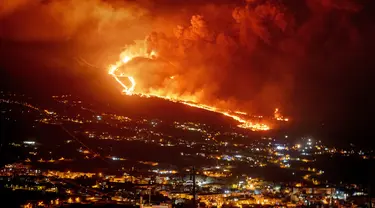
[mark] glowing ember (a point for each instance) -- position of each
(128, 55)
(278, 116)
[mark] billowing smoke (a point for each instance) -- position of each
(56, 20)
(242, 54)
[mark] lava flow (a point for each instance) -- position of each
(129, 55)
(278, 116)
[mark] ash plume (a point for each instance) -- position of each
(245, 55)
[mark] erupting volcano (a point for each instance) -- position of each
(116, 71)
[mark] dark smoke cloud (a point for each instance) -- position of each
(246, 54)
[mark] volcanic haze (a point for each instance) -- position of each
(241, 55)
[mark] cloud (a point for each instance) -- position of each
(241, 53)
(64, 20)
(7, 7)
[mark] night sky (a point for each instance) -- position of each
(311, 58)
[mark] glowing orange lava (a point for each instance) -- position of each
(278, 116)
(128, 55)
